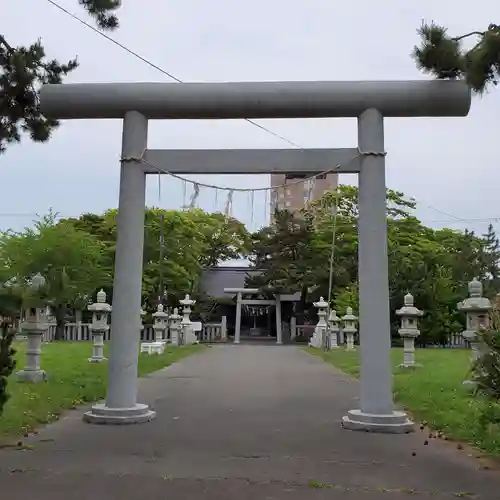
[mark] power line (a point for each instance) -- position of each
(445, 213)
(158, 68)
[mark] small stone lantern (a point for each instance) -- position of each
(186, 325)
(349, 328)
(334, 328)
(34, 327)
(409, 330)
(160, 324)
(476, 308)
(175, 328)
(318, 339)
(99, 327)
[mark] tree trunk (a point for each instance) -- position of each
(60, 314)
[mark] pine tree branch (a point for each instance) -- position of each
(467, 35)
(102, 11)
(444, 57)
(4, 42)
(23, 70)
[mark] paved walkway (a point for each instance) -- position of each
(240, 422)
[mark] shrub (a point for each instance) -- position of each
(486, 369)
(7, 362)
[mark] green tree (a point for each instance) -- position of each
(285, 254)
(435, 265)
(490, 254)
(71, 261)
(345, 198)
(227, 238)
(402, 227)
(193, 241)
(24, 69)
(294, 253)
(445, 56)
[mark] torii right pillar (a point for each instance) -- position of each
(376, 412)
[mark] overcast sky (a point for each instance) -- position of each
(447, 163)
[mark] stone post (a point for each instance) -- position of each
(349, 328)
(318, 338)
(237, 322)
(334, 328)
(476, 308)
(175, 328)
(409, 330)
(341, 335)
(34, 327)
(293, 328)
(186, 325)
(142, 313)
(279, 323)
(99, 327)
(160, 324)
(223, 329)
(78, 321)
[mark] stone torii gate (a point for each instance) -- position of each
(241, 301)
(368, 101)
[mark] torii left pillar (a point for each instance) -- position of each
(121, 406)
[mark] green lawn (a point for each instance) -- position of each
(72, 381)
(433, 393)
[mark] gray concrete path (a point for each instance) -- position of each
(240, 422)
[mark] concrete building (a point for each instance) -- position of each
(295, 195)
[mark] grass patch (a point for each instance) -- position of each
(433, 393)
(72, 381)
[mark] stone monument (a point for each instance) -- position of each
(349, 328)
(333, 328)
(34, 327)
(99, 326)
(186, 325)
(409, 331)
(160, 324)
(175, 328)
(318, 339)
(477, 309)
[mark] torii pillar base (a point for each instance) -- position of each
(102, 414)
(396, 422)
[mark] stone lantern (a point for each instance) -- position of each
(334, 328)
(99, 327)
(319, 335)
(34, 327)
(160, 323)
(186, 325)
(409, 330)
(175, 328)
(476, 308)
(349, 328)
